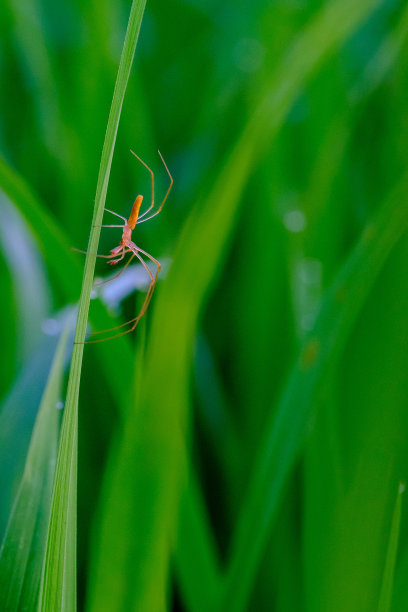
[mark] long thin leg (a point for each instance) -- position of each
(116, 214)
(146, 302)
(165, 197)
(94, 254)
(122, 226)
(118, 274)
(150, 290)
(158, 264)
(143, 309)
(151, 172)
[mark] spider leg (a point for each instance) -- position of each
(146, 302)
(94, 254)
(116, 275)
(164, 199)
(158, 264)
(122, 226)
(116, 214)
(151, 172)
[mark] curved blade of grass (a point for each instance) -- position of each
(142, 487)
(58, 590)
(23, 547)
(384, 604)
(285, 434)
(36, 61)
(199, 580)
(334, 23)
(17, 417)
(49, 234)
(31, 290)
(400, 593)
(383, 59)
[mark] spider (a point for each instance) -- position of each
(126, 245)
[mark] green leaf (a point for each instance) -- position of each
(23, 547)
(53, 241)
(59, 581)
(384, 604)
(17, 417)
(286, 432)
(196, 559)
(31, 290)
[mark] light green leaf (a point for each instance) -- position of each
(31, 290)
(59, 581)
(286, 431)
(17, 417)
(196, 558)
(384, 604)
(23, 547)
(56, 248)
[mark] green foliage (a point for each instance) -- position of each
(23, 547)
(59, 581)
(242, 449)
(388, 579)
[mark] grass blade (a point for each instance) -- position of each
(30, 287)
(48, 233)
(200, 581)
(59, 581)
(286, 432)
(17, 417)
(23, 548)
(384, 605)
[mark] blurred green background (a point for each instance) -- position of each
(246, 448)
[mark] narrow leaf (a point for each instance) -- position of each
(384, 604)
(23, 547)
(197, 565)
(59, 581)
(286, 432)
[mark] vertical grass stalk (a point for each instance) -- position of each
(58, 590)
